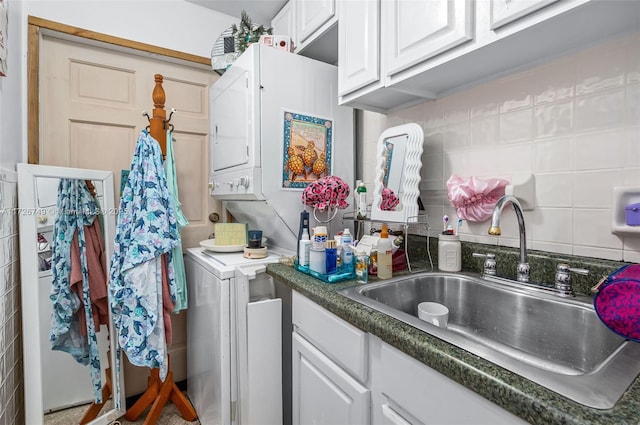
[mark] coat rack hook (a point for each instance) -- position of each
(146, 114)
(171, 114)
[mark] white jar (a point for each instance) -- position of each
(449, 253)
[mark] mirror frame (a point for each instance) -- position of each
(410, 184)
(32, 351)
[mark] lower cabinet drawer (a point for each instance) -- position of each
(414, 393)
(342, 342)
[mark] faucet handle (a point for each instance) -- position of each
(563, 278)
(489, 267)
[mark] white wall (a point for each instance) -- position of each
(11, 384)
(11, 111)
(173, 24)
(574, 123)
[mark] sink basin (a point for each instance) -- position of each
(556, 342)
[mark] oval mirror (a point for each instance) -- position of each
(53, 379)
(397, 184)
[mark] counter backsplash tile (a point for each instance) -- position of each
(543, 264)
(572, 122)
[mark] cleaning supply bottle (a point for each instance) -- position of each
(361, 201)
(347, 255)
(304, 248)
(304, 224)
(385, 266)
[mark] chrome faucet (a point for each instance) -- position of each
(523, 265)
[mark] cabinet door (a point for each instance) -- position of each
(311, 15)
(506, 11)
(416, 30)
(322, 392)
(283, 23)
(407, 391)
(358, 44)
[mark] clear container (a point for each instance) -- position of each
(317, 261)
(449, 253)
(362, 267)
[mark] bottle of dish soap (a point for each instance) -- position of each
(385, 266)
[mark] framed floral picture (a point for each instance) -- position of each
(3, 37)
(307, 149)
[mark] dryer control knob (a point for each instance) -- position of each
(244, 181)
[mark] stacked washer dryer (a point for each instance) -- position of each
(234, 336)
(237, 326)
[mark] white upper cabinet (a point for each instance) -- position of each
(283, 23)
(312, 16)
(430, 49)
(417, 30)
(506, 11)
(359, 44)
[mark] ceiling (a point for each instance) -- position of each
(260, 11)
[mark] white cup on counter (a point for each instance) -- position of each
(434, 313)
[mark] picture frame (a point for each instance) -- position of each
(307, 149)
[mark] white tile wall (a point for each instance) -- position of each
(573, 122)
(11, 385)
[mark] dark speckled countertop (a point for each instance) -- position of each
(514, 393)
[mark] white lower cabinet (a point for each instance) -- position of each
(330, 367)
(342, 375)
(323, 392)
(405, 391)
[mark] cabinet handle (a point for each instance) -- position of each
(394, 417)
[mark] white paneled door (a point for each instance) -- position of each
(91, 114)
(91, 103)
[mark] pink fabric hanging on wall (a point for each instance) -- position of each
(475, 198)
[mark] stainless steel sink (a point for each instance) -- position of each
(558, 343)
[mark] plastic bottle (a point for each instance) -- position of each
(385, 266)
(320, 237)
(304, 248)
(317, 261)
(449, 253)
(361, 201)
(304, 224)
(347, 255)
(331, 257)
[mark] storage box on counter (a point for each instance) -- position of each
(342, 273)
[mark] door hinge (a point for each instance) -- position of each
(233, 411)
